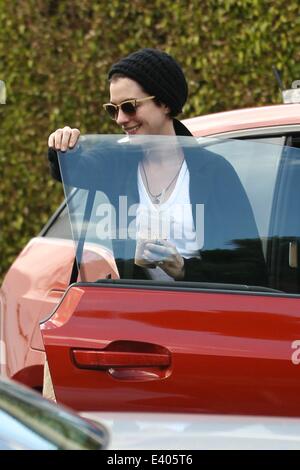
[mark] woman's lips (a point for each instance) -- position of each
(132, 130)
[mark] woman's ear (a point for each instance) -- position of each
(167, 110)
(164, 107)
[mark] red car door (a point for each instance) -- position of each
(222, 340)
(122, 347)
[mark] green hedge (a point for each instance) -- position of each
(54, 56)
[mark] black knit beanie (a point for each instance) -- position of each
(158, 74)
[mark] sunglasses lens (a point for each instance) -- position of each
(128, 108)
(112, 111)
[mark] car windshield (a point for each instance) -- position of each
(167, 209)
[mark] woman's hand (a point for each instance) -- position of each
(165, 255)
(63, 139)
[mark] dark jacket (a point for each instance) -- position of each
(232, 251)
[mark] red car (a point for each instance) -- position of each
(135, 345)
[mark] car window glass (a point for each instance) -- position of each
(60, 227)
(214, 202)
(37, 423)
(275, 139)
(59, 224)
(256, 164)
(18, 436)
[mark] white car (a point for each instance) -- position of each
(30, 422)
(161, 431)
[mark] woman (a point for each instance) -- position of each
(147, 90)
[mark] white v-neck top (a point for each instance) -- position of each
(172, 220)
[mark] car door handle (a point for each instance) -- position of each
(94, 359)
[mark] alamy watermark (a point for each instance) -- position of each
(139, 221)
(296, 354)
(2, 92)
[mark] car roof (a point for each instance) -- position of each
(247, 118)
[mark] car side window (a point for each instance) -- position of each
(284, 232)
(273, 139)
(60, 226)
(271, 181)
(257, 167)
(240, 224)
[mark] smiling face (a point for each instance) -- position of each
(149, 119)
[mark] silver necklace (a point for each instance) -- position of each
(157, 197)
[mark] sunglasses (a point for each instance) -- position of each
(128, 107)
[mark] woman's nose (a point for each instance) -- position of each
(122, 118)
